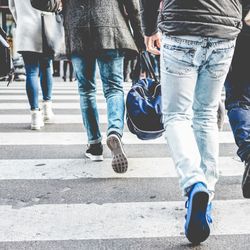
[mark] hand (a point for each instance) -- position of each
(153, 43)
(247, 19)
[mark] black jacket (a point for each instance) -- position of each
(214, 18)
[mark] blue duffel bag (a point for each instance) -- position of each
(143, 104)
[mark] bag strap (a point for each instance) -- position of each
(145, 57)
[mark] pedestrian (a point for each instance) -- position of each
(237, 87)
(67, 63)
(198, 39)
(102, 36)
(29, 44)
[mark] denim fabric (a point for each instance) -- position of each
(237, 87)
(35, 63)
(110, 63)
(193, 71)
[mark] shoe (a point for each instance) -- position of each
(36, 119)
(47, 111)
(64, 78)
(197, 227)
(119, 161)
(94, 152)
(246, 179)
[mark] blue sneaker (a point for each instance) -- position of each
(197, 225)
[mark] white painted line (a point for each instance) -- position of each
(115, 221)
(56, 105)
(82, 168)
(41, 138)
(60, 119)
(10, 98)
(56, 90)
(65, 119)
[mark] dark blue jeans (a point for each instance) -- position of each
(238, 96)
(36, 63)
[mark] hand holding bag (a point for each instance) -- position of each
(144, 116)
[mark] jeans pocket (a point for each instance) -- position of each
(220, 61)
(178, 59)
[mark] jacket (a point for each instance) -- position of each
(92, 25)
(214, 18)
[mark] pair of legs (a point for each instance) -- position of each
(237, 87)
(193, 71)
(35, 64)
(110, 63)
(67, 63)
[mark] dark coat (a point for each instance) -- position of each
(91, 25)
(214, 18)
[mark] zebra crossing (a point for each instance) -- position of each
(52, 197)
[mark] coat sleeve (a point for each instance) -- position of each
(132, 8)
(149, 16)
(12, 8)
(246, 5)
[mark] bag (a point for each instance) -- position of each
(46, 5)
(4, 55)
(53, 35)
(143, 104)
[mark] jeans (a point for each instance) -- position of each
(36, 63)
(237, 87)
(193, 71)
(110, 64)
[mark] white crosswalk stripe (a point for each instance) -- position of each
(93, 221)
(25, 216)
(79, 138)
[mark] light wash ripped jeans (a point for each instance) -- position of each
(193, 71)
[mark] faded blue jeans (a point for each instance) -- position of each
(110, 64)
(193, 71)
(36, 63)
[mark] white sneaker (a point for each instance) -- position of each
(36, 119)
(47, 111)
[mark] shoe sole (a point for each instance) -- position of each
(36, 127)
(198, 229)
(246, 183)
(94, 157)
(119, 161)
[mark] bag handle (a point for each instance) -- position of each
(148, 64)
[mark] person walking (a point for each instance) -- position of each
(198, 40)
(67, 63)
(29, 44)
(237, 102)
(102, 36)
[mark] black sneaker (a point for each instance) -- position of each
(94, 152)
(246, 179)
(119, 161)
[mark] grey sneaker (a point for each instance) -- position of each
(119, 161)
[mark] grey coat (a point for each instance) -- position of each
(29, 27)
(91, 25)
